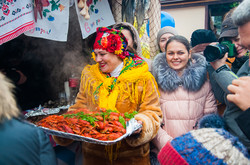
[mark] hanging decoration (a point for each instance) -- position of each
(53, 20)
(128, 10)
(141, 12)
(38, 7)
(16, 17)
(92, 14)
(138, 13)
(84, 6)
(135, 8)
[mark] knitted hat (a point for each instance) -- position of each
(164, 30)
(228, 29)
(212, 121)
(204, 146)
(201, 36)
(111, 40)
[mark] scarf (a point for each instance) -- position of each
(108, 90)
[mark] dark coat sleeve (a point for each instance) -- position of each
(47, 154)
(244, 122)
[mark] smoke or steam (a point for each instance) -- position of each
(58, 58)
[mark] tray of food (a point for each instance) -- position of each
(100, 126)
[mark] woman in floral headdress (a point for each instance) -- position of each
(119, 81)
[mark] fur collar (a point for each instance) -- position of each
(194, 76)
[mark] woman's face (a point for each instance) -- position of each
(244, 32)
(163, 40)
(177, 56)
(107, 61)
(241, 50)
(129, 38)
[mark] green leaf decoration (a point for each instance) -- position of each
(92, 119)
(44, 14)
(46, 10)
(99, 42)
(52, 2)
(82, 116)
(122, 121)
(54, 7)
(130, 115)
(92, 8)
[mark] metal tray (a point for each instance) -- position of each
(33, 116)
(131, 126)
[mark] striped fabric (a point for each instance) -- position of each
(16, 17)
(205, 146)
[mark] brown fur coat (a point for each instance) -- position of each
(132, 150)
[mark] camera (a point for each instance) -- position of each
(218, 51)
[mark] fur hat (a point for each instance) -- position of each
(111, 40)
(204, 146)
(228, 29)
(164, 30)
(201, 36)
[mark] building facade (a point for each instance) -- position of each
(190, 15)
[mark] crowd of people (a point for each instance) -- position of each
(172, 93)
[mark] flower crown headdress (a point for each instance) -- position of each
(111, 40)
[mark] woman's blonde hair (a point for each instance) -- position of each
(8, 105)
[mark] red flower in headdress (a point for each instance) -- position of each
(111, 40)
(104, 42)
